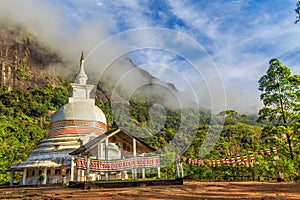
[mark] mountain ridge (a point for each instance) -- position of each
(25, 62)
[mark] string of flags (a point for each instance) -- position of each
(232, 161)
(118, 164)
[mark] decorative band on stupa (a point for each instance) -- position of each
(77, 127)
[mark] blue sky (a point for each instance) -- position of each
(240, 36)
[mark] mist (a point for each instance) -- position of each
(105, 57)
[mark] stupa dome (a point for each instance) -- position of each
(79, 111)
(78, 118)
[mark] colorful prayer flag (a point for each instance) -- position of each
(275, 150)
(227, 161)
(233, 161)
(239, 160)
(245, 159)
(218, 162)
(202, 162)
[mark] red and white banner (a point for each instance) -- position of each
(119, 165)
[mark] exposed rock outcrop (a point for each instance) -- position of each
(23, 60)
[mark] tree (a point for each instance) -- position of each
(297, 10)
(281, 96)
(229, 115)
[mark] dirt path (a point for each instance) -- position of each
(190, 190)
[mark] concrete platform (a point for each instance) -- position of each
(119, 184)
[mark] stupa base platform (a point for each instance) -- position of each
(127, 183)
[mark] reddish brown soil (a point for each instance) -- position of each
(190, 190)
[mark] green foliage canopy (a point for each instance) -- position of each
(281, 98)
(24, 120)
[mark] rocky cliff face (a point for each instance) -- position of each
(23, 60)
(25, 63)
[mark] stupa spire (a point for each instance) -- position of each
(81, 77)
(82, 56)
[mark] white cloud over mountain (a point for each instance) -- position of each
(240, 36)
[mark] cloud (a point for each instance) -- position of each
(240, 36)
(89, 31)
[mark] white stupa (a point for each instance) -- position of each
(73, 125)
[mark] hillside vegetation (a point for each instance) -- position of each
(25, 115)
(25, 119)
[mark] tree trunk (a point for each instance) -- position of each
(287, 135)
(290, 145)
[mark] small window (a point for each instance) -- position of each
(57, 172)
(56, 147)
(33, 173)
(48, 172)
(40, 172)
(68, 171)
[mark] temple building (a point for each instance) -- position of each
(78, 136)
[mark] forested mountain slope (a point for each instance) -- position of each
(30, 94)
